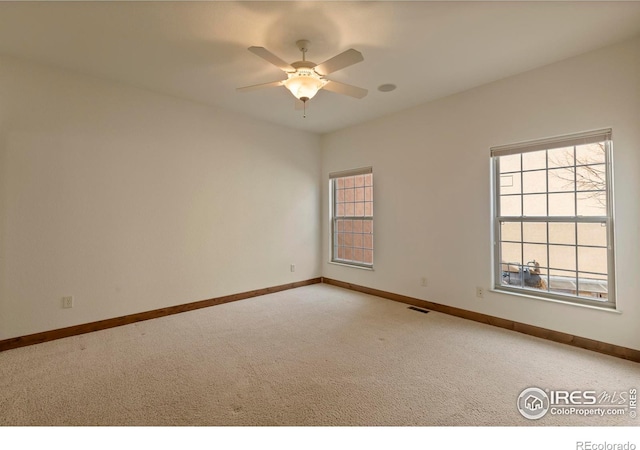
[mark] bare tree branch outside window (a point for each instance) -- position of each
(587, 171)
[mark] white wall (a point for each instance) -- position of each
(132, 201)
(432, 187)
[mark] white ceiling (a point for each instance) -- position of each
(198, 50)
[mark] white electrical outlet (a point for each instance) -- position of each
(293, 267)
(423, 281)
(67, 302)
(479, 292)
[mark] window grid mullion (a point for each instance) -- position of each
(546, 228)
(553, 243)
(575, 202)
(522, 212)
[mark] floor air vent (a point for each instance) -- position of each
(418, 309)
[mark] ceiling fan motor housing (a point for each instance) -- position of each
(303, 65)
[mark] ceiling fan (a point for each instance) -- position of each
(306, 78)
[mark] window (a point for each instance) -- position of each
(553, 221)
(352, 217)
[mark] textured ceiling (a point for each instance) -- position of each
(198, 50)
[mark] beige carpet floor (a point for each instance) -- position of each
(317, 355)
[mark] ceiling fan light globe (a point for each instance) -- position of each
(304, 84)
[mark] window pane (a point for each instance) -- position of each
(562, 204)
(592, 286)
(562, 180)
(534, 182)
(511, 231)
(592, 234)
(562, 233)
(543, 274)
(510, 205)
(534, 232)
(511, 253)
(349, 195)
(349, 182)
(594, 276)
(591, 178)
(535, 278)
(534, 205)
(510, 163)
(349, 209)
(367, 226)
(562, 282)
(590, 153)
(368, 193)
(534, 160)
(591, 204)
(511, 274)
(592, 259)
(560, 157)
(562, 257)
(535, 252)
(510, 184)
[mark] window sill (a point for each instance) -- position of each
(350, 265)
(554, 300)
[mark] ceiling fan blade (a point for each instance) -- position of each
(340, 61)
(270, 57)
(346, 89)
(259, 86)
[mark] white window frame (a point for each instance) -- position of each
(597, 136)
(333, 177)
